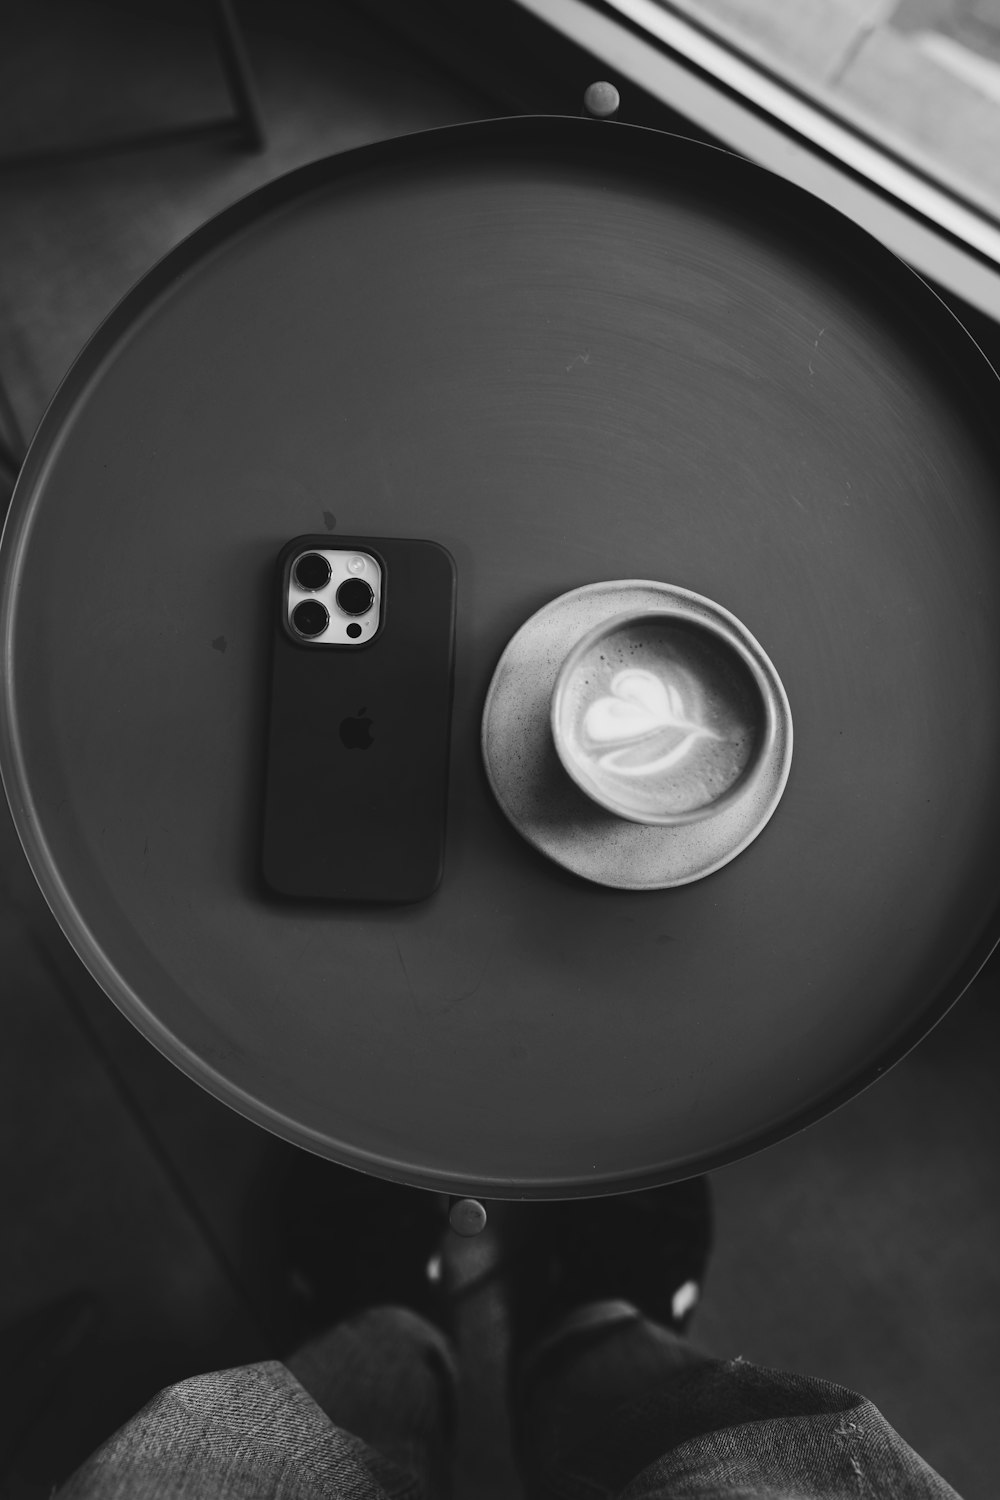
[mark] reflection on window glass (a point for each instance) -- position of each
(920, 76)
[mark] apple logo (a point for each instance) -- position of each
(356, 732)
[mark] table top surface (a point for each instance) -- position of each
(568, 351)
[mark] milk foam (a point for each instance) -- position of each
(661, 717)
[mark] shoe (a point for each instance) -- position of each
(642, 1253)
(597, 1291)
(351, 1241)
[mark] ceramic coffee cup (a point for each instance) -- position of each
(665, 716)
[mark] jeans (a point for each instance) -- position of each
(611, 1405)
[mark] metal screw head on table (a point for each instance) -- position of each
(467, 1216)
(601, 101)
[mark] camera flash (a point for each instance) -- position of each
(356, 565)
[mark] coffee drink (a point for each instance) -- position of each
(658, 716)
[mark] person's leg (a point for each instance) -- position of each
(362, 1411)
(388, 1377)
(634, 1410)
(609, 1399)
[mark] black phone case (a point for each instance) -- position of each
(353, 823)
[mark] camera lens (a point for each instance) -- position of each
(312, 571)
(310, 617)
(355, 597)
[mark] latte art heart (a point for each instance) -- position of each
(656, 717)
(642, 710)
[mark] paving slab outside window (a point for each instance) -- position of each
(920, 77)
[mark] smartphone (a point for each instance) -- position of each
(359, 720)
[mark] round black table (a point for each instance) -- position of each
(568, 350)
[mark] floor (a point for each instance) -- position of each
(139, 1243)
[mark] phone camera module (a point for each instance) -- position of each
(310, 618)
(355, 596)
(312, 572)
